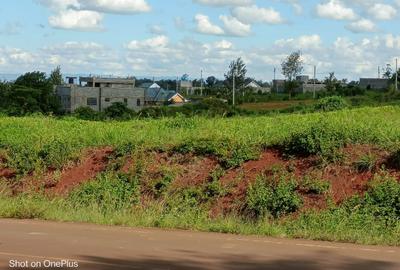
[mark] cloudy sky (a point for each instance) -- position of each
(173, 37)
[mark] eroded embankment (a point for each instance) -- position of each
(159, 171)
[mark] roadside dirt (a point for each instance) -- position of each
(94, 162)
(188, 170)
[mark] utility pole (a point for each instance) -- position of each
(379, 72)
(396, 77)
(234, 86)
(201, 82)
(177, 85)
(274, 84)
(315, 78)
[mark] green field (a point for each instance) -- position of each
(32, 145)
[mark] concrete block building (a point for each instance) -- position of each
(374, 83)
(99, 93)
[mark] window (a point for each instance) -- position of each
(138, 102)
(108, 100)
(125, 100)
(91, 101)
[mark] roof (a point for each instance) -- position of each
(160, 94)
(253, 85)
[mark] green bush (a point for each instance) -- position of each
(108, 192)
(332, 103)
(320, 139)
(272, 195)
(314, 186)
(86, 113)
(119, 111)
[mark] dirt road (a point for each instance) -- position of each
(47, 245)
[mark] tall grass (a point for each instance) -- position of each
(43, 141)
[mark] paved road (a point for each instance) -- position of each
(100, 247)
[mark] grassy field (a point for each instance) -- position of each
(276, 105)
(30, 146)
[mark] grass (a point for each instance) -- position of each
(276, 105)
(36, 143)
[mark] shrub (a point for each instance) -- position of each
(275, 196)
(320, 139)
(86, 113)
(332, 103)
(381, 201)
(314, 186)
(366, 163)
(119, 111)
(108, 192)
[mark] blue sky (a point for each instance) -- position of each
(170, 38)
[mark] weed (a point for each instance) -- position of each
(276, 196)
(366, 163)
(314, 186)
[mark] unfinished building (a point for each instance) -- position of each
(99, 93)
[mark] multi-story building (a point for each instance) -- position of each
(99, 93)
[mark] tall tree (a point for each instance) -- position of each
(211, 81)
(388, 72)
(331, 83)
(292, 66)
(33, 91)
(56, 77)
(238, 69)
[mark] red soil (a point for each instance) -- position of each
(7, 173)
(94, 162)
(345, 180)
(196, 172)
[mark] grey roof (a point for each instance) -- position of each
(159, 94)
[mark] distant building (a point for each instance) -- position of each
(310, 87)
(99, 93)
(257, 88)
(187, 87)
(303, 79)
(278, 86)
(155, 95)
(374, 83)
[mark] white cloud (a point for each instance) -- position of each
(335, 9)
(382, 11)
(116, 6)
(157, 42)
(234, 27)
(219, 3)
(87, 15)
(361, 26)
(254, 14)
(306, 42)
(204, 26)
(82, 20)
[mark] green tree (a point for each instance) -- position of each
(388, 72)
(238, 69)
(292, 66)
(331, 83)
(211, 81)
(33, 92)
(56, 77)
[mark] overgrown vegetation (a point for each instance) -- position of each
(270, 206)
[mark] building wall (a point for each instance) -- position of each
(309, 87)
(374, 83)
(73, 97)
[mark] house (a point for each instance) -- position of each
(374, 83)
(99, 93)
(187, 87)
(257, 88)
(278, 86)
(155, 95)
